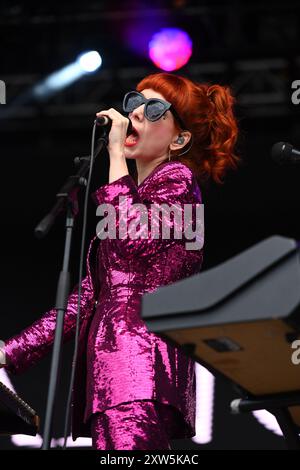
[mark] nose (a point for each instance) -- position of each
(138, 113)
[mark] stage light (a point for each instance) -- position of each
(205, 387)
(170, 49)
(90, 61)
(58, 80)
(86, 63)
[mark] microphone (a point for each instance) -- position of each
(105, 121)
(283, 152)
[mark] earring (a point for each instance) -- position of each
(169, 154)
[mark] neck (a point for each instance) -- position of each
(144, 168)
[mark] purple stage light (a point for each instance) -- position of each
(170, 49)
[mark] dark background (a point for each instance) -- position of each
(253, 48)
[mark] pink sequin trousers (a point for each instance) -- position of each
(132, 426)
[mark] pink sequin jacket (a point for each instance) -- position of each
(120, 360)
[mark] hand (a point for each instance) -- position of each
(118, 132)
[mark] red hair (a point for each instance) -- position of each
(207, 111)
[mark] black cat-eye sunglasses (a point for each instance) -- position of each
(154, 109)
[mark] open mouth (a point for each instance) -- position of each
(132, 139)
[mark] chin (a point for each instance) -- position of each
(131, 154)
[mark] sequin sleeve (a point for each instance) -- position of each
(33, 343)
(168, 186)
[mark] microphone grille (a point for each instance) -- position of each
(281, 151)
(102, 120)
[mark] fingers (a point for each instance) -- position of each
(114, 115)
(118, 131)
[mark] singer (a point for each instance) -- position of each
(134, 390)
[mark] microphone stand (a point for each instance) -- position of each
(67, 201)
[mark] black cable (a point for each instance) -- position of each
(82, 257)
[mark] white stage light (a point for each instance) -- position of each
(86, 63)
(90, 61)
